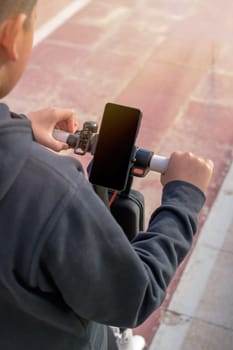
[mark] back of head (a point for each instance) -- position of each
(13, 7)
(17, 18)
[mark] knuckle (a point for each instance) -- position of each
(177, 154)
(52, 110)
(210, 164)
(190, 155)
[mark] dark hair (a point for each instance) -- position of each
(14, 7)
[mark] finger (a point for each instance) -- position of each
(72, 124)
(58, 146)
(68, 122)
(55, 144)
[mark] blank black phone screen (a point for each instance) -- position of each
(115, 146)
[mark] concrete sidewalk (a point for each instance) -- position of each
(200, 314)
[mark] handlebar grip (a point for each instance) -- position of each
(159, 163)
(61, 135)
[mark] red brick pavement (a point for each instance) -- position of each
(47, 9)
(172, 59)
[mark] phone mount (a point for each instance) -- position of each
(85, 140)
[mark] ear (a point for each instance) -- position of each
(10, 32)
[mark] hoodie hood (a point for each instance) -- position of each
(15, 144)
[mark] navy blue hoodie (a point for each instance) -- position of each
(66, 267)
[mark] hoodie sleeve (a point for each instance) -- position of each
(23, 117)
(105, 278)
(18, 116)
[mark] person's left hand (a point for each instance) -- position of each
(46, 120)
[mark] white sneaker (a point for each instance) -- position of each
(139, 343)
(127, 341)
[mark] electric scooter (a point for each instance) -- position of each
(142, 161)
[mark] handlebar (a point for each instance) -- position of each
(144, 160)
(61, 135)
(159, 163)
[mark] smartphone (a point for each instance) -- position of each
(115, 146)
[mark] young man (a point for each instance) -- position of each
(66, 267)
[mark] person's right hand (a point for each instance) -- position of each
(45, 120)
(185, 166)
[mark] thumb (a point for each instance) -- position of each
(56, 145)
(59, 146)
